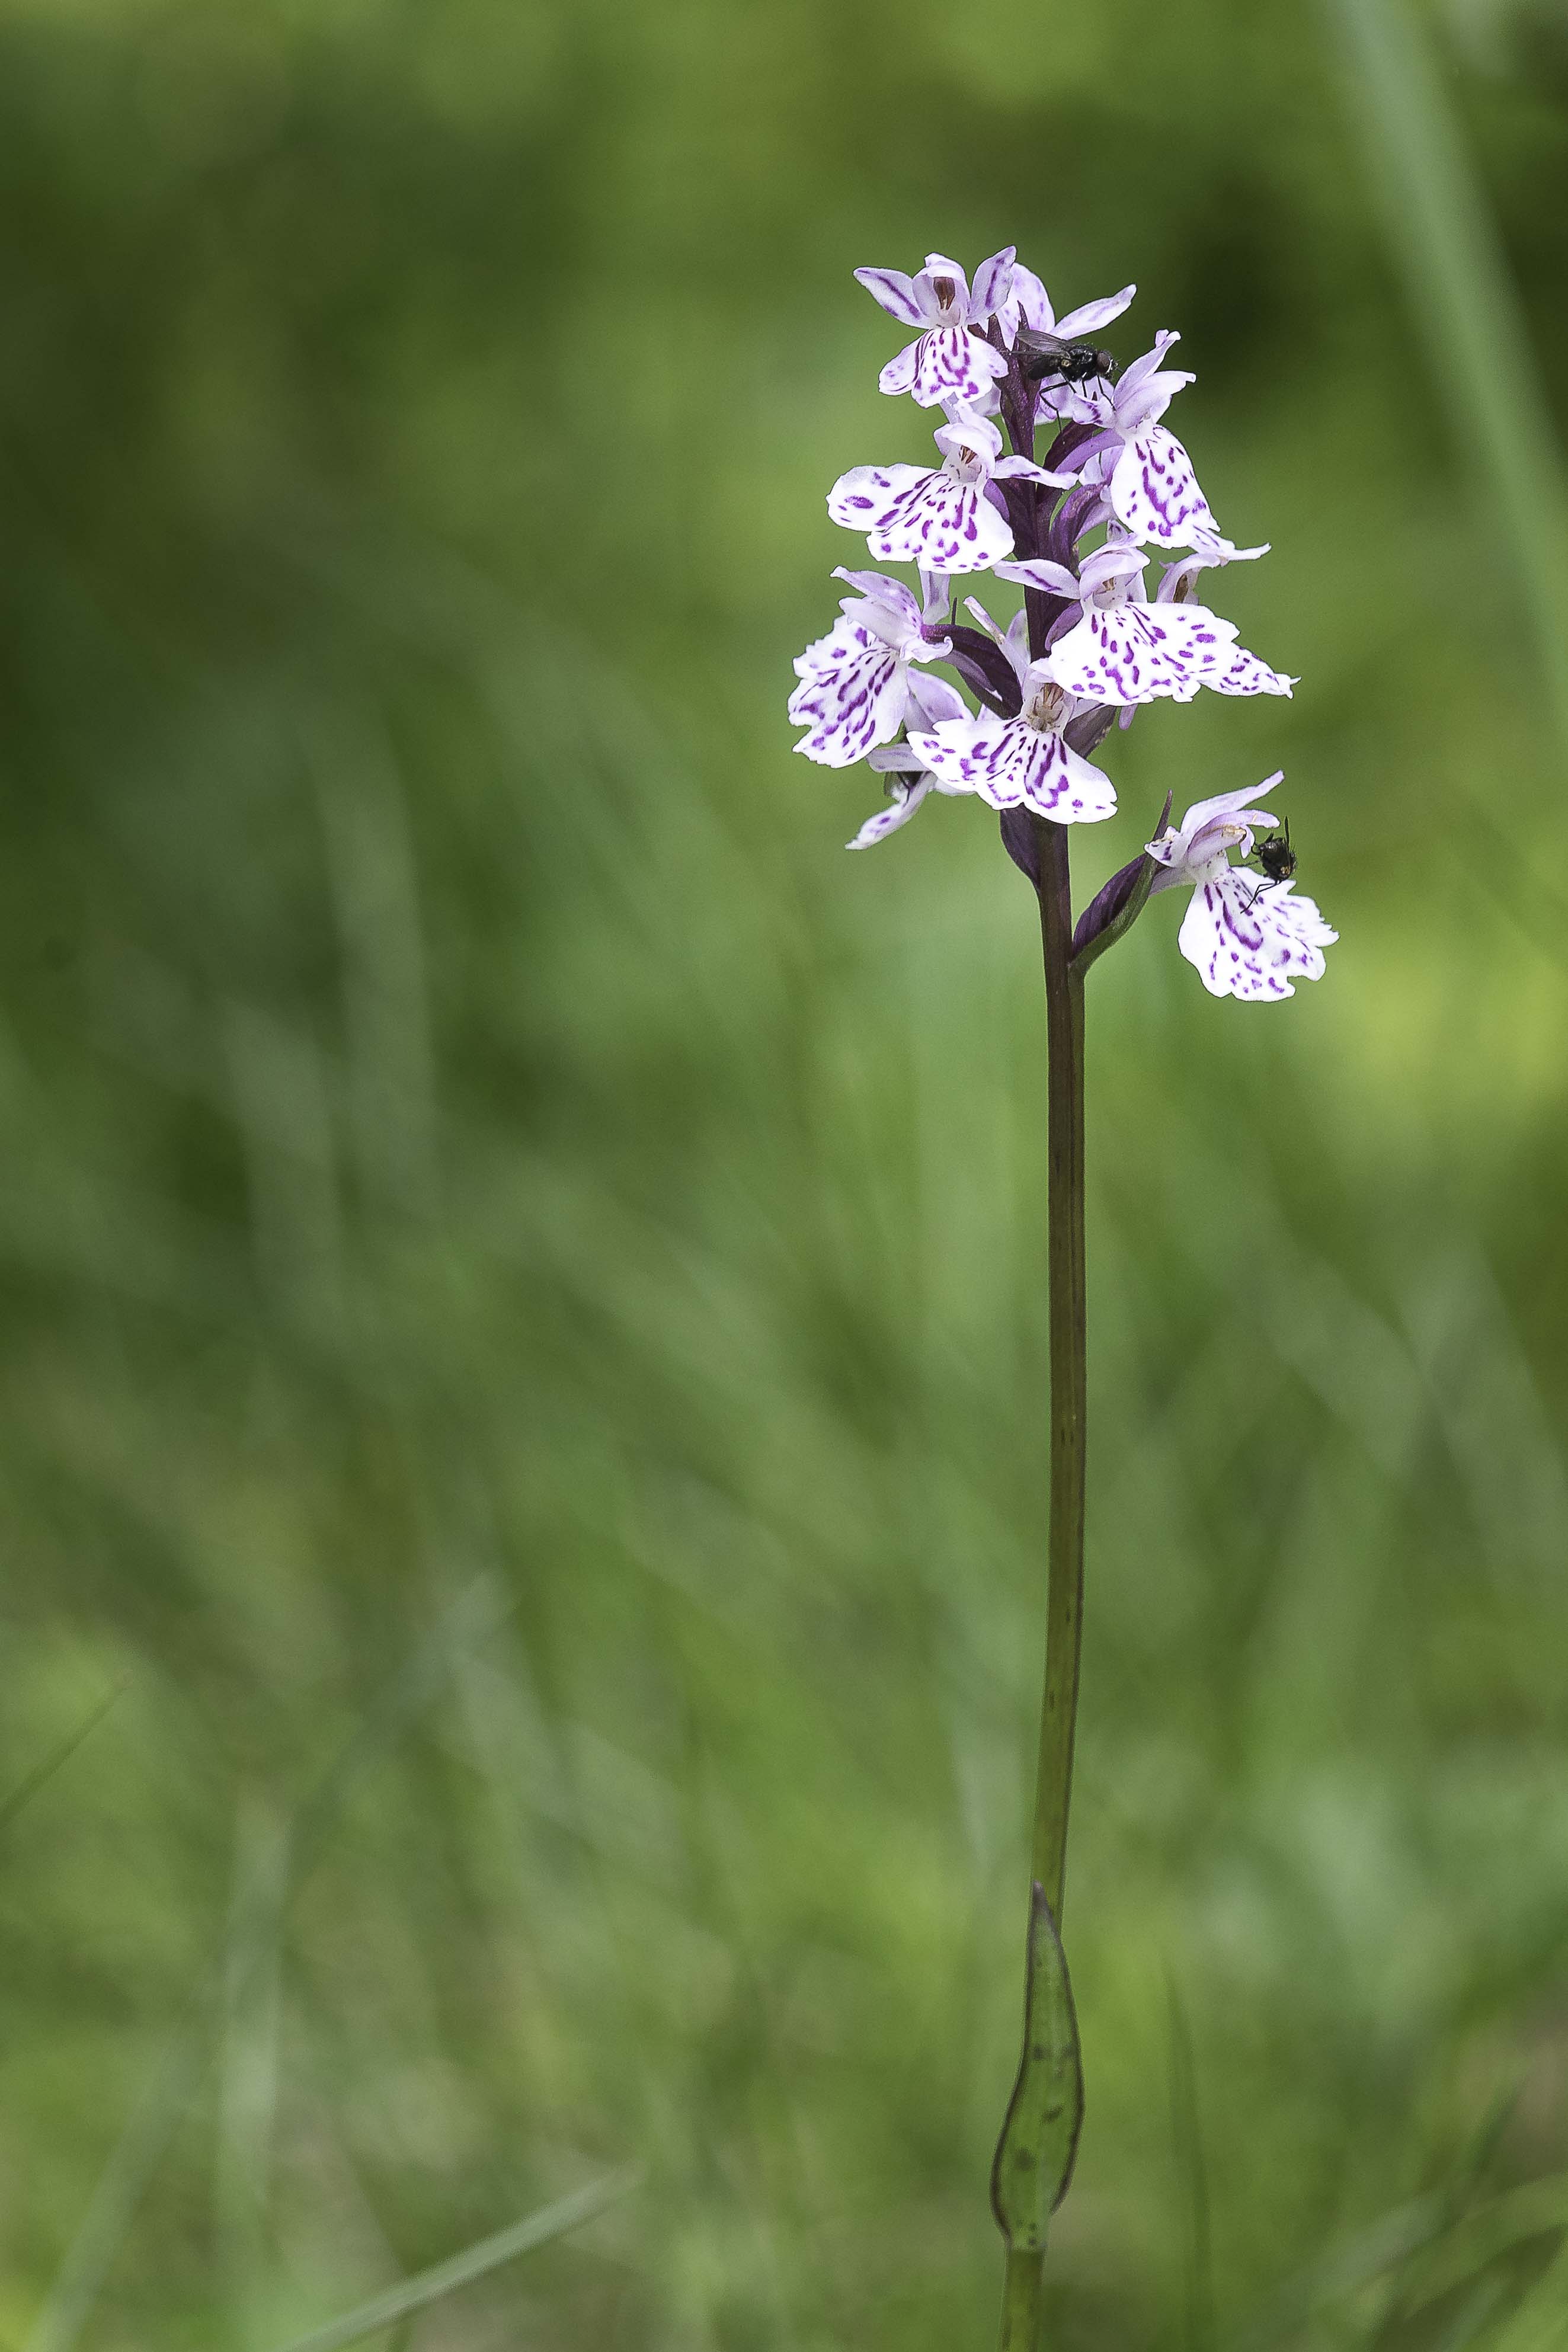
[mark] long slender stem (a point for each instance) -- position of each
(1021, 2311)
(1024, 2289)
(1065, 1213)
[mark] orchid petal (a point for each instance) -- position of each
(900, 372)
(951, 363)
(1089, 317)
(911, 514)
(905, 799)
(1155, 493)
(854, 692)
(1245, 674)
(993, 283)
(1132, 653)
(1037, 571)
(1252, 940)
(1011, 764)
(877, 588)
(934, 700)
(1023, 469)
(896, 294)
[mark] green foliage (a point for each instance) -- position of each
(522, 1264)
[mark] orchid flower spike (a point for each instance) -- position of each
(948, 361)
(1124, 650)
(940, 517)
(1025, 760)
(1246, 935)
(855, 688)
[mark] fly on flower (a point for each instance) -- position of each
(1247, 939)
(1053, 361)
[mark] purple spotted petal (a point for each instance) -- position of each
(1155, 493)
(1035, 571)
(905, 799)
(1245, 674)
(1251, 939)
(900, 372)
(913, 515)
(1011, 764)
(950, 365)
(896, 294)
(1126, 653)
(854, 692)
(993, 284)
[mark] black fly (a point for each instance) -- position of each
(1049, 357)
(1276, 857)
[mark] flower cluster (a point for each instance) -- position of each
(1078, 533)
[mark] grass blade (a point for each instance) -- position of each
(426, 2288)
(27, 1788)
(1444, 238)
(476, 1611)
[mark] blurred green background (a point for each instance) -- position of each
(523, 1265)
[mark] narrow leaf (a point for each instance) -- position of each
(426, 2288)
(1039, 2138)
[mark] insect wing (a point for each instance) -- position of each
(1048, 352)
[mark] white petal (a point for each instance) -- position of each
(1010, 764)
(854, 694)
(1155, 493)
(900, 372)
(1251, 939)
(896, 294)
(1128, 654)
(913, 515)
(1037, 573)
(993, 284)
(905, 799)
(1089, 317)
(1245, 674)
(951, 363)
(935, 699)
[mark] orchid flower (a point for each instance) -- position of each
(1029, 305)
(939, 516)
(910, 778)
(1246, 936)
(1124, 650)
(1024, 761)
(1147, 475)
(948, 361)
(855, 690)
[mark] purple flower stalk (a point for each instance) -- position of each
(1075, 531)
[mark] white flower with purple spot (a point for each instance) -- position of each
(1146, 474)
(1025, 761)
(1125, 651)
(948, 361)
(910, 779)
(944, 517)
(856, 688)
(1244, 935)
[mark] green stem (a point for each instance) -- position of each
(1065, 1217)
(1023, 2293)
